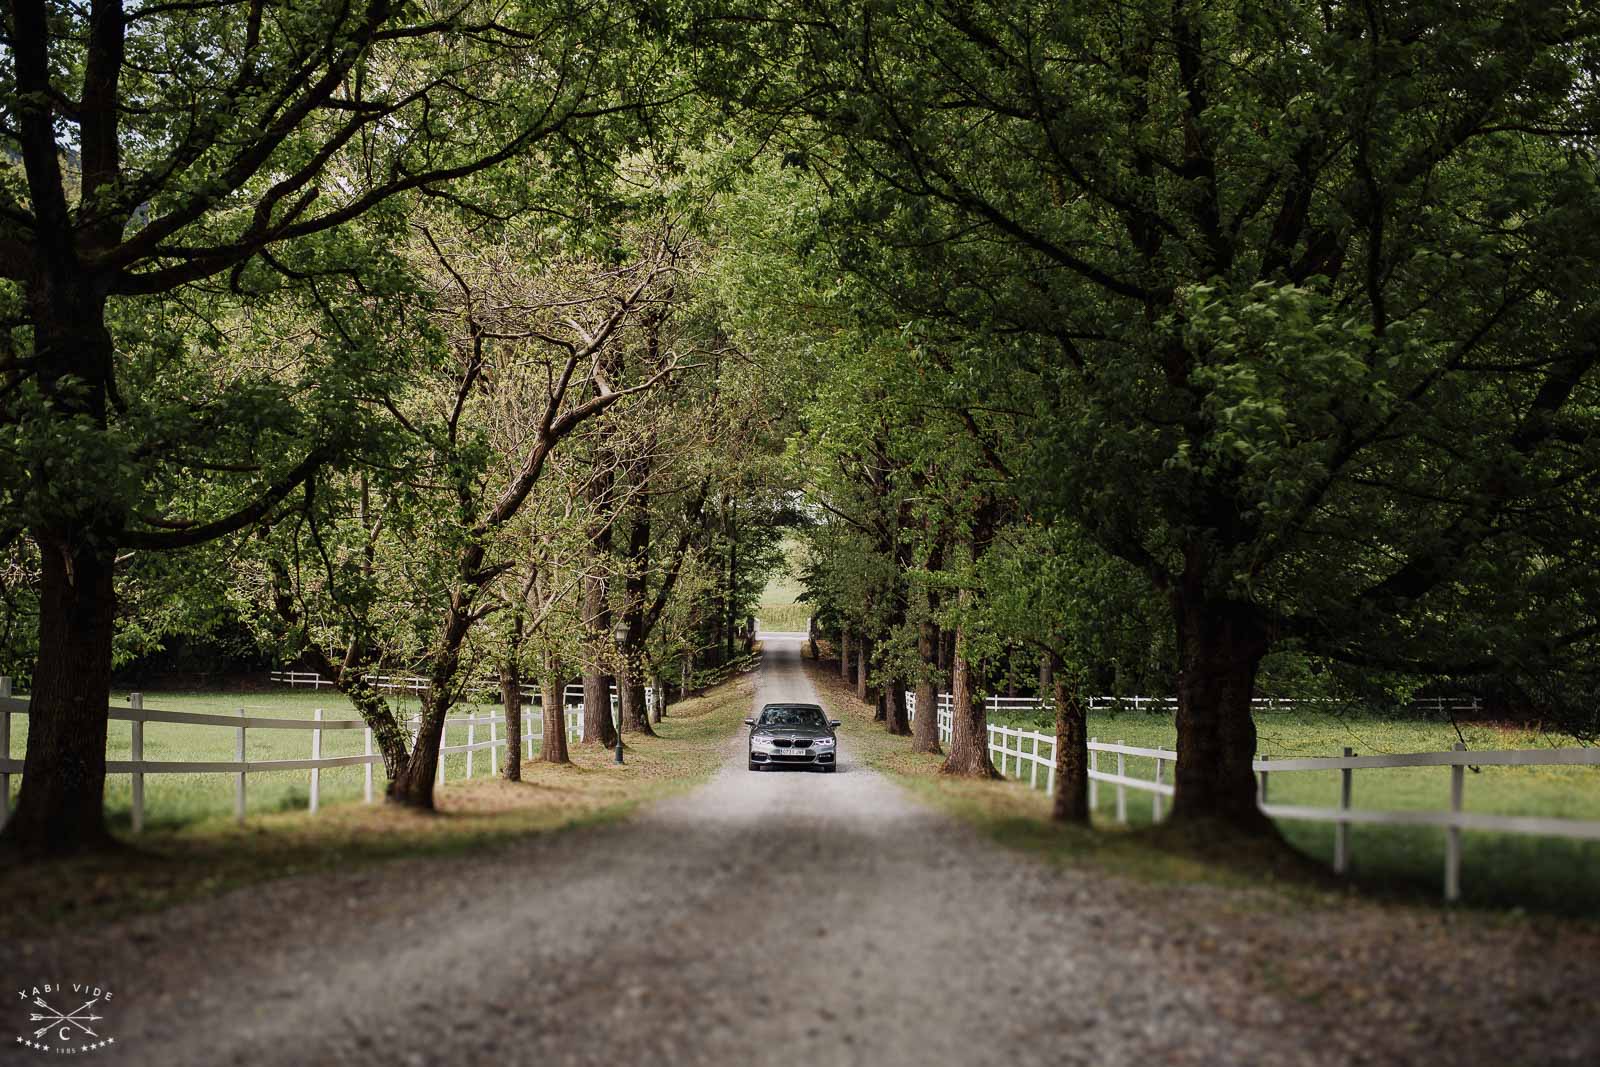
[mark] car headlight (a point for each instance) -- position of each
(763, 744)
(823, 742)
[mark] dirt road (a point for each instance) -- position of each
(763, 918)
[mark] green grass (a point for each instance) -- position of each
(784, 618)
(1498, 871)
(172, 863)
(172, 800)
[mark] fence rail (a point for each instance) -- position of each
(417, 685)
(241, 766)
(1011, 748)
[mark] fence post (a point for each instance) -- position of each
(1033, 770)
(136, 702)
(1122, 790)
(472, 737)
(494, 753)
(238, 789)
(1452, 838)
(1341, 832)
(1156, 798)
(1261, 791)
(5, 753)
(1050, 775)
(316, 754)
(366, 781)
(1094, 767)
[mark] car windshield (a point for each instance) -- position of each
(793, 717)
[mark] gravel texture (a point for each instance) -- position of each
(771, 917)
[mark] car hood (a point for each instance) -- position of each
(791, 731)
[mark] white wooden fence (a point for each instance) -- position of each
(1438, 707)
(417, 685)
(1012, 748)
(241, 767)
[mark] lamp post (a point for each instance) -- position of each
(619, 634)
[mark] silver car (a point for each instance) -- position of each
(795, 735)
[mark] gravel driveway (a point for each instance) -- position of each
(763, 918)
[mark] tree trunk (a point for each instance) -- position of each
(658, 712)
(1072, 747)
(597, 725)
(61, 808)
(633, 715)
(552, 708)
(733, 575)
(969, 733)
(413, 786)
(894, 705)
(630, 693)
(1047, 673)
(844, 653)
(633, 712)
(511, 700)
(925, 729)
(811, 635)
(1220, 647)
(62, 805)
(713, 651)
(863, 664)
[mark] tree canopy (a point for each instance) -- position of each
(1182, 347)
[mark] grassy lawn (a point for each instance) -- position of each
(170, 863)
(1503, 871)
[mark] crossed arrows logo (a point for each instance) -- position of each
(77, 1017)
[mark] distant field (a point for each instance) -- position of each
(177, 799)
(778, 611)
(783, 618)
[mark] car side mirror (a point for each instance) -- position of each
(835, 723)
(749, 722)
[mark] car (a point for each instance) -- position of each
(793, 735)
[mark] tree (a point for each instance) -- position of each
(531, 347)
(147, 172)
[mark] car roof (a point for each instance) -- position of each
(791, 704)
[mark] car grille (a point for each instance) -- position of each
(790, 742)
